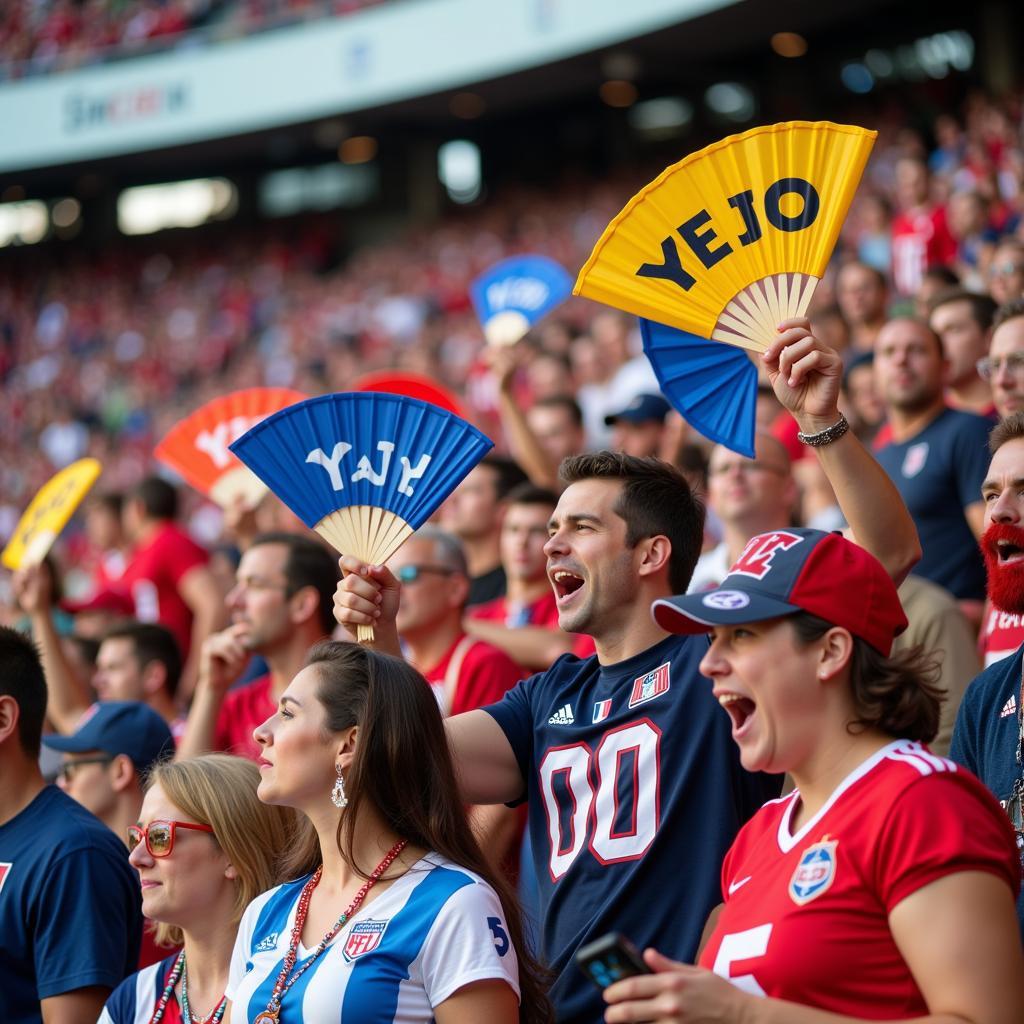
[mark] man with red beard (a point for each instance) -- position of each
(989, 734)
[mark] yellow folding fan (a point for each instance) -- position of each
(734, 238)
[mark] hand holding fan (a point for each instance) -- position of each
(365, 470)
(48, 514)
(197, 447)
(510, 297)
(733, 239)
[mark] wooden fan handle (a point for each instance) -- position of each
(364, 634)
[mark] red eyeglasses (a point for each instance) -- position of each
(159, 835)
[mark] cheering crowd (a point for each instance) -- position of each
(797, 816)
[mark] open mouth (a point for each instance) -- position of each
(740, 710)
(567, 584)
(1008, 552)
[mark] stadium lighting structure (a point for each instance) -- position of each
(66, 212)
(23, 223)
(664, 117)
(730, 102)
(180, 204)
(458, 168)
(619, 93)
(789, 44)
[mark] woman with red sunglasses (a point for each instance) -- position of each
(204, 847)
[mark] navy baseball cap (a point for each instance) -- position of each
(787, 571)
(119, 727)
(642, 409)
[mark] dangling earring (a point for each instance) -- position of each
(338, 797)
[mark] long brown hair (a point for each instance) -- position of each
(403, 768)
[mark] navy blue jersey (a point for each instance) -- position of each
(939, 472)
(986, 733)
(70, 908)
(636, 792)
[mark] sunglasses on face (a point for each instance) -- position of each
(159, 835)
(67, 770)
(411, 573)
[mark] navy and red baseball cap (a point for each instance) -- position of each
(787, 571)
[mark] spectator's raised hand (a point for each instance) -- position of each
(368, 595)
(33, 590)
(805, 373)
(223, 657)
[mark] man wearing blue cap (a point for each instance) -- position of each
(638, 429)
(70, 912)
(107, 758)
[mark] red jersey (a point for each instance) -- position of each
(244, 709)
(484, 676)
(543, 612)
(806, 914)
(152, 577)
(920, 241)
(1001, 634)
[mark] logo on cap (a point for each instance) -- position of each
(726, 600)
(756, 559)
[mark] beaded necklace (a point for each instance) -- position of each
(172, 980)
(272, 1014)
(213, 1017)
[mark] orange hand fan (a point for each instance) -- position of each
(49, 513)
(734, 238)
(197, 447)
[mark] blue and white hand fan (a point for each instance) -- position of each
(713, 385)
(365, 470)
(515, 293)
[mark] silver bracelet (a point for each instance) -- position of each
(826, 436)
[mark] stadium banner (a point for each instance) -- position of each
(322, 68)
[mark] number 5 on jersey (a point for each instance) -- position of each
(618, 783)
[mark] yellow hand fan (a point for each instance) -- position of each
(734, 238)
(49, 513)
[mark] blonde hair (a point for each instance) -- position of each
(220, 790)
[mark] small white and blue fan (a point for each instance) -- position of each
(363, 469)
(510, 297)
(711, 384)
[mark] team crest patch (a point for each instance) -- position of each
(814, 873)
(652, 685)
(267, 943)
(5, 870)
(364, 938)
(914, 460)
(602, 709)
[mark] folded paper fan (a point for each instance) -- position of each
(364, 470)
(197, 448)
(514, 294)
(412, 385)
(48, 514)
(713, 386)
(734, 238)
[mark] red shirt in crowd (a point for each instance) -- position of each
(1001, 634)
(920, 241)
(484, 676)
(152, 577)
(542, 612)
(243, 709)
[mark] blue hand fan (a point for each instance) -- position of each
(363, 469)
(713, 385)
(514, 294)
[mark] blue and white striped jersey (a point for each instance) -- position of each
(435, 929)
(135, 1000)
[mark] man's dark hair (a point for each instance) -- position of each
(531, 494)
(158, 498)
(308, 564)
(1008, 311)
(508, 473)
(566, 402)
(151, 642)
(22, 678)
(983, 307)
(112, 501)
(1010, 429)
(655, 500)
(942, 275)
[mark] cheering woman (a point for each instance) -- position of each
(395, 915)
(883, 887)
(205, 846)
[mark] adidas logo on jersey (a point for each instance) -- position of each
(563, 716)
(1010, 707)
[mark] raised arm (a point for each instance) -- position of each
(806, 376)
(199, 590)
(67, 697)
